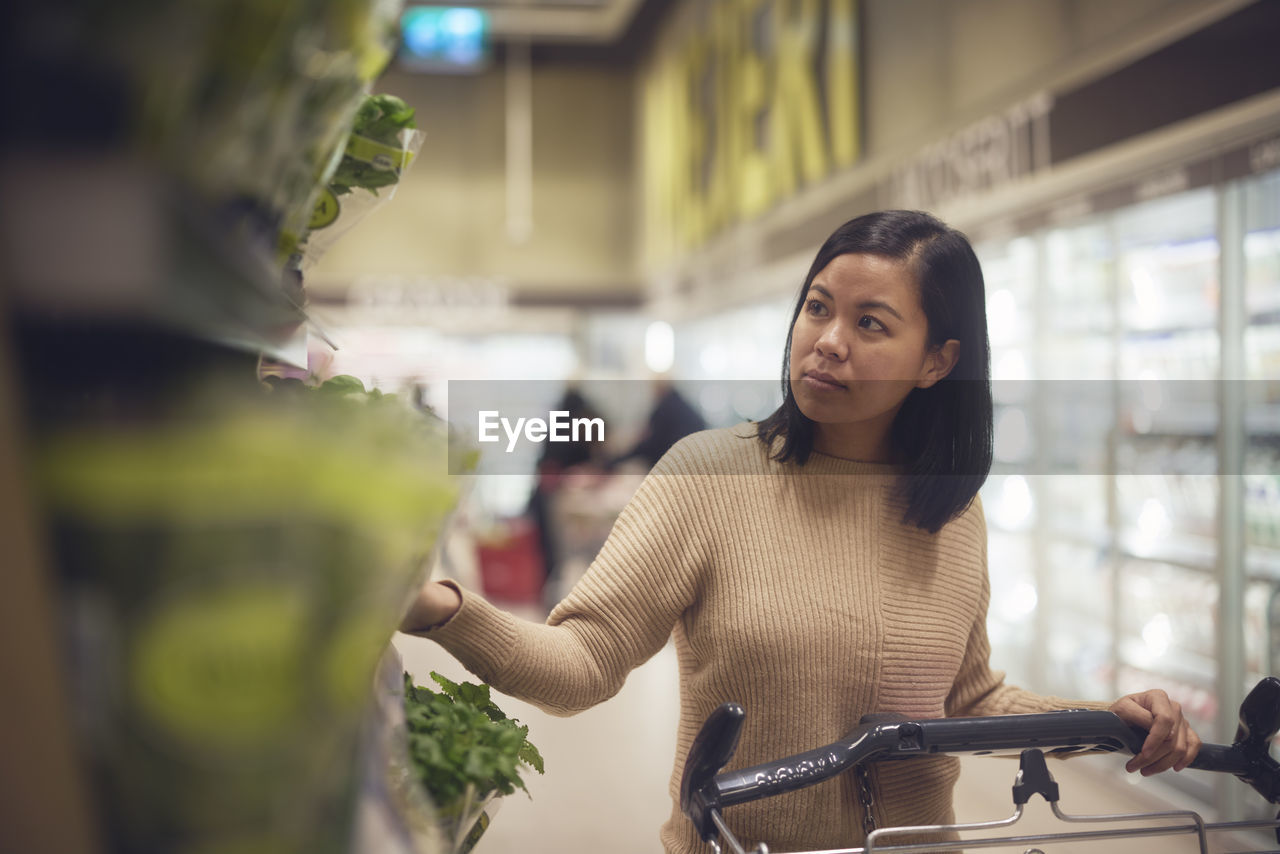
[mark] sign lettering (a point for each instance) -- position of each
(756, 104)
(984, 156)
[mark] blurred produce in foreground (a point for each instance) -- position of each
(233, 563)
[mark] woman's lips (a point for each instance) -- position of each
(819, 381)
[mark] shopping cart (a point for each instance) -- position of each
(705, 793)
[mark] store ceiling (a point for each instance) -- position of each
(559, 21)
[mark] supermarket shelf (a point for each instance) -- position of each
(1085, 333)
(110, 240)
(1085, 619)
(995, 527)
(1137, 335)
(1202, 423)
(1194, 553)
(1186, 667)
(1262, 563)
(1262, 420)
(1263, 302)
(1096, 539)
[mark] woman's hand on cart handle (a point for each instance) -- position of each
(1170, 741)
(434, 606)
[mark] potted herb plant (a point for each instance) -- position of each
(467, 753)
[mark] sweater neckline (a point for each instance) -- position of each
(822, 463)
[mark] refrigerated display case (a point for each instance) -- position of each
(1261, 475)
(1262, 380)
(1112, 341)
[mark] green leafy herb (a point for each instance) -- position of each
(343, 384)
(391, 423)
(459, 737)
(380, 119)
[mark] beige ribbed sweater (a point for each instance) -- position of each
(795, 591)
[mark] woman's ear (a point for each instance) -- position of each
(939, 362)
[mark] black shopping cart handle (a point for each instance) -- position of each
(877, 738)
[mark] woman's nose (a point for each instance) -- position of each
(832, 344)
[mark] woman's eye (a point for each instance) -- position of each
(869, 322)
(815, 307)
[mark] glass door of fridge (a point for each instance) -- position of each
(1010, 269)
(1076, 417)
(1261, 474)
(1166, 465)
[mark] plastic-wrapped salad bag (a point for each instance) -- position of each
(382, 145)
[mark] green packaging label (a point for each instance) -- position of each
(223, 668)
(326, 210)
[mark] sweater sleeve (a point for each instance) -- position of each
(619, 614)
(979, 690)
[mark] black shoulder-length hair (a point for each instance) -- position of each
(944, 432)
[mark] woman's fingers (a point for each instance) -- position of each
(1170, 742)
(1192, 751)
(1166, 754)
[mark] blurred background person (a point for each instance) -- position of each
(671, 419)
(558, 461)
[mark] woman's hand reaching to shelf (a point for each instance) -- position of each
(1171, 742)
(437, 602)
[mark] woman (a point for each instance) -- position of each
(826, 563)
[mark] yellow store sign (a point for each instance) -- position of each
(745, 109)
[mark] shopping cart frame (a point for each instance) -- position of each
(705, 792)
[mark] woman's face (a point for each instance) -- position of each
(858, 348)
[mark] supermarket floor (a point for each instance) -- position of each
(607, 769)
